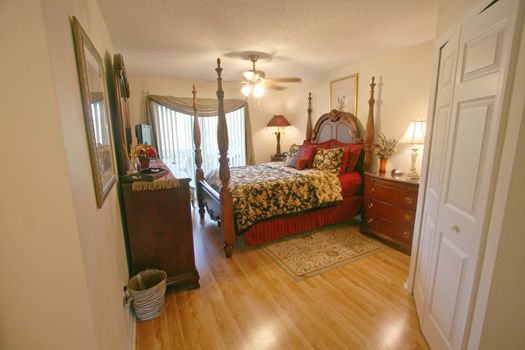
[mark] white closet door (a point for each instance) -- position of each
(455, 230)
(441, 121)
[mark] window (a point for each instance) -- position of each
(174, 135)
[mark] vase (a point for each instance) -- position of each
(382, 166)
(144, 163)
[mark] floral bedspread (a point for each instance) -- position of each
(265, 191)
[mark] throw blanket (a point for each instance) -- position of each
(266, 191)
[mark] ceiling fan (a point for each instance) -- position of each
(255, 80)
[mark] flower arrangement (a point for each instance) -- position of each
(385, 147)
(145, 151)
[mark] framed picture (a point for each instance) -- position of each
(95, 107)
(343, 94)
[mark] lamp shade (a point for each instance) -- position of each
(415, 133)
(278, 121)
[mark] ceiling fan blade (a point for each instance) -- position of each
(284, 80)
(276, 87)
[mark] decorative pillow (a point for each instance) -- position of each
(291, 152)
(303, 158)
(353, 156)
(336, 143)
(346, 157)
(323, 145)
(298, 163)
(329, 160)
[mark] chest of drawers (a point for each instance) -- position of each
(389, 209)
(159, 230)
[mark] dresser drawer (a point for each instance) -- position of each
(401, 195)
(388, 211)
(394, 232)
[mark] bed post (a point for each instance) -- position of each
(224, 170)
(369, 137)
(199, 175)
(309, 122)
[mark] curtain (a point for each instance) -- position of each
(207, 107)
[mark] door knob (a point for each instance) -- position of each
(455, 228)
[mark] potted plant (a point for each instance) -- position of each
(384, 149)
(144, 153)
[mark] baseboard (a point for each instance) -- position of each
(133, 330)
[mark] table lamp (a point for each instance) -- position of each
(278, 122)
(415, 135)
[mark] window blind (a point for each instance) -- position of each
(174, 135)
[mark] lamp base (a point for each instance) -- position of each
(412, 173)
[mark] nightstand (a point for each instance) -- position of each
(389, 209)
(278, 157)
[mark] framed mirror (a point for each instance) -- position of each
(95, 107)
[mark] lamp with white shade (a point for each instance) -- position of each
(414, 135)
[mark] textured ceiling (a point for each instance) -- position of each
(302, 37)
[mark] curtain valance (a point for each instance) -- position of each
(206, 107)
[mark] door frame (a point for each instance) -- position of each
(513, 111)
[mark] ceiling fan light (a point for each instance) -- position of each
(258, 91)
(246, 89)
(249, 75)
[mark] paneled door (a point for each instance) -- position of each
(441, 121)
(462, 169)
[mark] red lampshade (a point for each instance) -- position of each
(278, 121)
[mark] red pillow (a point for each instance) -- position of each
(298, 163)
(353, 156)
(346, 156)
(323, 145)
(308, 152)
(336, 143)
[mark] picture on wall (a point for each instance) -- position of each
(96, 112)
(343, 94)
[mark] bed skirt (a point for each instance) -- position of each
(267, 231)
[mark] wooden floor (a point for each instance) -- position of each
(249, 302)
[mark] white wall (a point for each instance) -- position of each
(100, 230)
(44, 299)
(273, 102)
(403, 79)
(63, 262)
(449, 11)
(402, 93)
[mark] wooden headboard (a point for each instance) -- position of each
(343, 126)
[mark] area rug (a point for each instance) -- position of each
(314, 252)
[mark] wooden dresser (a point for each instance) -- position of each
(159, 231)
(389, 209)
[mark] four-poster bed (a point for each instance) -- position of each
(335, 129)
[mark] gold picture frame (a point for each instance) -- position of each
(94, 95)
(343, 92)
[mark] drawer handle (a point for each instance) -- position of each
(407, 217)
(370, 221)
(409, 200)
(406, 235)
(370, 206)
(372, 190)
(455, 228)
